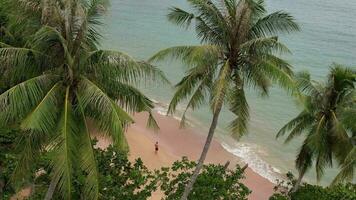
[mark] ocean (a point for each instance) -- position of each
(140, 28)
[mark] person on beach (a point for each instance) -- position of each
(156, 148)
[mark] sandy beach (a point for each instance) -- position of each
(175, 143)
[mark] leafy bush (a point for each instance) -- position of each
(118, 178)
(214, 182)
(7, 161)
(313, 192)
(121, 179)
(278, 196)
(310, 192)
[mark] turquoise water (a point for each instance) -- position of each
(140, 28)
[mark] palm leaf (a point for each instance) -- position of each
(17, 101)
(239, 106)
(88, 162)
(119, 66)
(43, 117)
(273, 24)
(105, 112)
(188, 84)
(190, 55)
(347, 168)
(66, 150)
(221, 86)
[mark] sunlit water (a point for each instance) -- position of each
(140, 28)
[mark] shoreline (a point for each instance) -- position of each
(175, 143)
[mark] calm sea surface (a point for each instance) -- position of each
(140, 28)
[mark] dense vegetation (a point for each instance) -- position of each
(121, 179)
(55, 81)
(214, 182)
(285, 191)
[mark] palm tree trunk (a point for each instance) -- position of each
(188, 188)
(51, 189)
(2, 182)
(299, 181)
(45, 12)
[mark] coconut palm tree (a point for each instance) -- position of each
(326, 122)
(63, 81)
(239, 50)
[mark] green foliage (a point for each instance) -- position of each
(56, 78)
(278, 197)
(214, 182)
(8, 137)
(120, 179)
(313, 192)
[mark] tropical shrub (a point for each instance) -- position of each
(313, 192)
(214, 182)
(8, 137)
(118, 178)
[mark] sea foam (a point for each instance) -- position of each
(247, 153)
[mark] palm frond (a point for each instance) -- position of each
(278, 73)
(21, 61)
(347, 168)
(119, 66)
(48, 37)
(273, 24)
(88, 161)
(43, 117)
(190, 55)
(106, 113)
(17, 101)
(66, 149)
(189, 83)
(239, 106)
(197, 98)
(180, 17)
(151, 122)
(221, 86)
(304, 159)
(305, 84)
(127, 96)
(266, 45)
(302, 117)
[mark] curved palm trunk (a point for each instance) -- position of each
(45, 12)
(2, 182)
(299, 181)
(51, 189)
(188, 188)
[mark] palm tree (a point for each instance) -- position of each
(327, 123)
(239, 49)
(62, 80)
